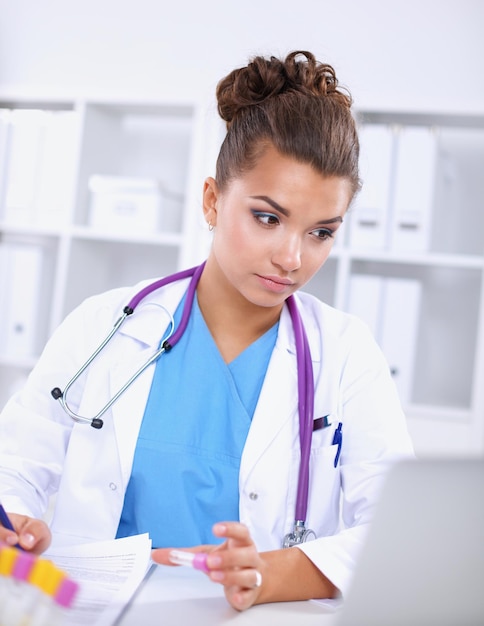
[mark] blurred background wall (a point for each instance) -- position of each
(396, 57)
(412, 54)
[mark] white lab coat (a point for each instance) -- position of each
(42, 451)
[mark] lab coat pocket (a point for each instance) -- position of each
(324, 480)
(324, 488)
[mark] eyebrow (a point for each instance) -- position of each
(285, 212)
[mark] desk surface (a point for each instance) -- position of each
(179, 595)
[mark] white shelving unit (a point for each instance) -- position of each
(430, 295)
(49, 151)
(443, 395)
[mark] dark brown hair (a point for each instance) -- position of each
(295, 105)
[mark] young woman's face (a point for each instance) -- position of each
(274, 226)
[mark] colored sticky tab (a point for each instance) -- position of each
(66, 593)
(8, 556)
(46, 576)
(23, 565)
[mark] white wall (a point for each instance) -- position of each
(405, 54)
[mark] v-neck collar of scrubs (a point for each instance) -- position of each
(185, 471)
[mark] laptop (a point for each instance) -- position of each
(423, 561)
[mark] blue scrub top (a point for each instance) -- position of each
(185, 474)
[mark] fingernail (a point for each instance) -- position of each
(27, 540)
(220, 529)
(213, 561)
(217, 576)
(11, 540)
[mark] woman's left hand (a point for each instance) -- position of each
(235, 564)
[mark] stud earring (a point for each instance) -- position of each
(210, 226)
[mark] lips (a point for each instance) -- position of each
(276, 284)
(278, 279)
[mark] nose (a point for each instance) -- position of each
(287, 254)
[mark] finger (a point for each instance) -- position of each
(241, 599)
(243, 579)
(234, 557)
(233, 530)
(33, 534)
(8, 537)
(162, 555)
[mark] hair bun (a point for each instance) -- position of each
(266, 78)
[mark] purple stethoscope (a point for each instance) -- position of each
(300, 533)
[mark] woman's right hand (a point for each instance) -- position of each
(31, 534)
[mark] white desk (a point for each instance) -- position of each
(179, 596)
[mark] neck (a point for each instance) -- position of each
(233, 321)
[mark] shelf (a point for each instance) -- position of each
(171, 146)
(21, 363)
(411, 258)
(448, 415)
(36, 230)
(448, 120)
(164, 239)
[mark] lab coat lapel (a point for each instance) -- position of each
(278, 401)
(141, 335)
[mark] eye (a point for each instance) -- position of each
(268, 219)
(323, 233)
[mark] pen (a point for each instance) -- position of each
(197, 560)
(338, 440)
(6, 523)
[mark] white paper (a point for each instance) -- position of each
(108, 572)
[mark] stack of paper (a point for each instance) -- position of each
(109, 573)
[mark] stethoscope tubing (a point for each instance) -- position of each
(305, 406)
(173, 336)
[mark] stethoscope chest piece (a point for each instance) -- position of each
(300, 534)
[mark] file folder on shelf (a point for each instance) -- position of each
(414, 188)
(4, 133)
(399, 331)
(371, 209)
(22, 158)
(365, 300)
(390, 307)
(20, 281)
(40, 158)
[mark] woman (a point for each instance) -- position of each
(207, 441)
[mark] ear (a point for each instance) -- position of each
(210, 198)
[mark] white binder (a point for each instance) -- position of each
(4, 133)
(20, 280)
(23, 157)
(391, 308)
(398, 334)
(40, 158)
(414, 188)
(370, 210)
(56, 168)
(365, 300)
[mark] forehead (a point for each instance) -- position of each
(292, 183)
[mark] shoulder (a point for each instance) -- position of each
(326, 320)
(338, 337)
(112, 302)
